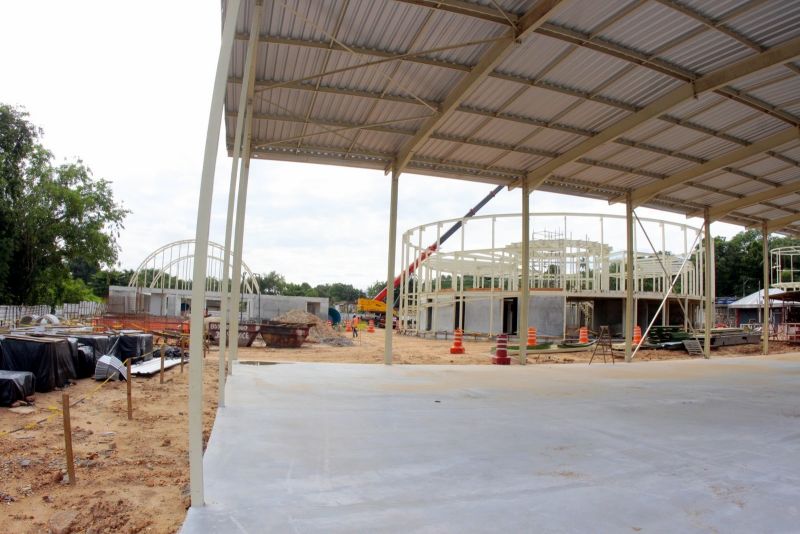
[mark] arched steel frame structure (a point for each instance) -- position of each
(574, 255)
(170, 267)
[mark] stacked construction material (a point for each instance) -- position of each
(134, 344)
(90, 348)
(16, 386)
(49, 359)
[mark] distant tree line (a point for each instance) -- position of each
(274, 283)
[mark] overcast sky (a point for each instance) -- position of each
(125, 86)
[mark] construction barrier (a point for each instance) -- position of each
(584, 335)
(501, 353)
(637, 335)
(458, 346)
(531, 336)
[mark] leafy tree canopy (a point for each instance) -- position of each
(52, 218)
(739, 262)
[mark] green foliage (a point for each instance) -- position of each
(739, 262)
(101, 280)
(53, 219)
(375, 288)
(271, 283)
(74, 290)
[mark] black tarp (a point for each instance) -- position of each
(49, 359)
(135, 345)
(100, 343)
(91, 347)
(129, 346)
(15, 386)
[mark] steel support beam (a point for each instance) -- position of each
(721, 210)
(713, 80)
(498, 51)
(241, 197)
(775, 225)
(645, 193)
(629, 322)
(765, 274)
(226, 260)
(238, 239)
(201, 257)
(389, 322)
(524, 290)
(708, 265)
(467, 8)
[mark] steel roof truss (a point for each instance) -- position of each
(711, 81)
(645, 193)
(719, 211)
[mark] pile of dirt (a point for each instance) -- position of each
(319, 332)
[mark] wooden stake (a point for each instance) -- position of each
(130, 379)
(68, 437)
(182, 343)
(163, 347)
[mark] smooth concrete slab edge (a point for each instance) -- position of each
(687, 446)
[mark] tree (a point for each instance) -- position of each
(739, 262)
(339, 292)
(52, 218)
(271, 283)
(375, 288)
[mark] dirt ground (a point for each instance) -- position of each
(132, 476)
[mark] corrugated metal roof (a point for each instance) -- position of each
(587, 67)
(649, 28)
(770, 23)
(693, 54)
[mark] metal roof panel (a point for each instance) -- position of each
(640, 86)
(769, 23)
(649, 28)
(540, 104)
(693, 55)
(491, 94)
(530, 57)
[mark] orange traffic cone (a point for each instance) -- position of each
(584, 335)
(371, 327)
(458, 346)
(532, 336)
(637, 335)
(347, 327)
(501, 354)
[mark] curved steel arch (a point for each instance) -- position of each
(177, 257)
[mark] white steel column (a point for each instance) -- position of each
(241, 196)
(765, 273)
(708, 264)
(387, 345)
(629, 229)
(201, 257)
(524, 290)
(491, 288)
(226, 261)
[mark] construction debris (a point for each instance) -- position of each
(319, 332)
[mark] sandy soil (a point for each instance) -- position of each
(132, 476)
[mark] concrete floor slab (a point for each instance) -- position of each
(680, 446)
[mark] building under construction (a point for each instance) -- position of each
(577, 275)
